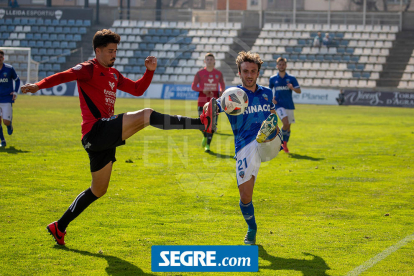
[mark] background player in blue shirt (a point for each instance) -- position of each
(7, 96)
(282, 85)
(248, 129)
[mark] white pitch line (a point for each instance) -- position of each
(381, 256)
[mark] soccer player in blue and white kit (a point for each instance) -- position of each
(7, 96)
(256, 135)
(283, 84)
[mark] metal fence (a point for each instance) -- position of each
(245, 17)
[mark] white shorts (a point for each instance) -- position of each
(250, 157)
(282, 113)
(6, 111)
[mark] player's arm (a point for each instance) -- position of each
(196, 85)
(294, 86)
(16, 84)
(138, 88)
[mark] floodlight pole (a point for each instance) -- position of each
(364, 13)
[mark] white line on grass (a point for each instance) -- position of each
(381, 256)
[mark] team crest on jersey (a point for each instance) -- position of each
(116, 78)
(265, 97)
(217, 76)
(77, 67)
(114, 117)
(241, 174)
(5, 74)
(112, 85)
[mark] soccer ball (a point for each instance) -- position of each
(234, 101)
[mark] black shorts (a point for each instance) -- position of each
(101, 141)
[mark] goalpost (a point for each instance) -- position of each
(21, 59)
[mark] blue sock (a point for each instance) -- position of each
(248, 214)
(285, 135)
(1, 134)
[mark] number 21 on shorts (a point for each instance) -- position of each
(240, 164)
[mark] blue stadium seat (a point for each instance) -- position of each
(35, 51)
(45, 36)
(69, 37)
(339, 35)
(138, 53)
(56, 44)
(319, 57)
(79, 23)
(24, 21)
(59, 31)
(152, 32)
(32, 43)
(328, 57)
(39, 22)
(143, 46)
(61, 36)
(133, 61)
(32, 22)
(288, 49)
(145, 54)
(294, 57)
(74, 30)
(8, 21)
(66, 30)
(168, 32)
(188, 40)
(37, 36)
(164, 39)
(272, 64)
(10, 28)
(187, 55)
(42, 29)
(48, 22)
(64, 45)
(174, 63)
(39, 44)
(297, 49)
(351, 66)
(366, 75)
(136, 69)
(63, 22)
(56, 67)
(159, 32)
(340, 50)
(344, 43)
(42, 74)
(183, 31)
(71, 22)
(349, 50)
(87, 23)
(58, 51)
(49, 73)
(72, 45)
(61, 60)
(356, 75)
(16, 21)
(23, 43)
(51, 51)
(155, 39)
(3, 29)
(35, 29)
(77, 37)
(264, 64)
(47, 66)
(161, 70)
(4, 35)
(23, 66)
(354, 58)
(1, 21)
(346, 58)
(127, 69)
(52, 37)
(176, 32)
(360, 67)
(48, 44)
(55, 22)
(302, 42)
(150, 46)
(337, 58)
(82, 30)
(147, 38)
(37, 58)
(50, 29)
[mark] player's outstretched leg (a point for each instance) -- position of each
(209, 116)
(2, 140)
(267, 128)
(55, 232)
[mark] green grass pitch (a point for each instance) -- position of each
(344, 194)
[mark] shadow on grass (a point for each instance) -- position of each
(12, 150)
(223, 134)
(116, 266)
(298, 156)
(315, 267)
(219, 155)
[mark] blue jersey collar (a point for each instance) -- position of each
(259, 87)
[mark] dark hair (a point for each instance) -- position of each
(103, 37)
(281, 58)
(248, 57)
(1, 52)
(209, 55)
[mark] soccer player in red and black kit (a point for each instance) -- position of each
(207, 82)
(102, 131)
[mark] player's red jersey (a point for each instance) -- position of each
(210, 80)
(97, 87)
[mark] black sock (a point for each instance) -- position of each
(82, 201)
(166, 122)
(209, 138)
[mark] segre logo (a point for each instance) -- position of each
(196, 258)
